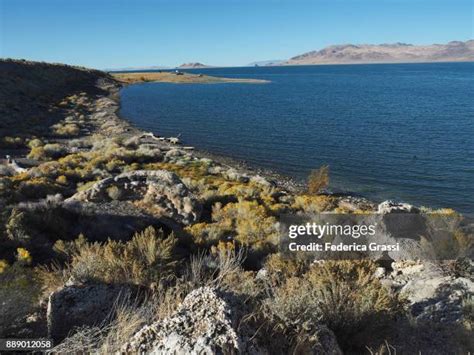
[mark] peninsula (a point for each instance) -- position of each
(178, 78)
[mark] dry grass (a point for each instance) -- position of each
(125, 319)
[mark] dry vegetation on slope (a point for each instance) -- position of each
(105, 212)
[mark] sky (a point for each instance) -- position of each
(133, 33)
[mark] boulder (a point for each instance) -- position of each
(396, 207)
(160, 192)
(203, 324)
(83, 305)
(432, 295)
(233, 175)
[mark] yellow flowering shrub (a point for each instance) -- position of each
(23, 256)
(314, 203)
(251, 222)
(3, 265)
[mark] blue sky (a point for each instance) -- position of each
(122, 33)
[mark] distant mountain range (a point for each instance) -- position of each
(455, 51)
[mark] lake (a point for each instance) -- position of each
(387, 131)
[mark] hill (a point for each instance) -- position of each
(455, 51)
(195, 65)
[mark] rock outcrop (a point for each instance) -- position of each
(203, 324)
(396, 207)
(433, 295)
(160, 192)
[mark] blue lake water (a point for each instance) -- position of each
(388, 131)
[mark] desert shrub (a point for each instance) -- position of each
(37, 153)
(350, 289)
(34, 143)
(213, 269)
(19, 297)
(62, 179)
(23, 256)
(344, 295)
(318, 180)
(252, 224)
(146, 258)
(37, 188)
(11, 142)
(67, 129)
(36, 226)
(454, 243)
(207, 234)
(114, 165)
(47, 151)
(15, 226)
(3, 265)
(53, 150)
(280, 268)
(314, 203)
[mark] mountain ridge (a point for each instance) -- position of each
(386, 53)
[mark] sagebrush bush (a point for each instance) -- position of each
(3, 265)
(318, 180)
(47, 151)
(314, 203)
(251, 222)
(344, 295)
(66, 129)
(11, 142)
(280, 268)
(34, 143)
(36, 152)
(146, 258)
